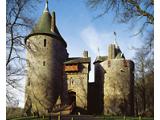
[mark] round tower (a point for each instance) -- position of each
(46, 53)
(118, 83)
(114, 79)
(118, 87)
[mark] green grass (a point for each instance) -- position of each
(30, 118)
(124, 118)
(95, 118)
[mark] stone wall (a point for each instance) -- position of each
(118, 87)
(78, 82)
(99, 82)
(45, 72)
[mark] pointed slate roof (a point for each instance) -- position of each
(46, 25)
(119, 54)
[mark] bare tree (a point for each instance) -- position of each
(19, 21)
(127, 11)
(144, 80)
(141, 13)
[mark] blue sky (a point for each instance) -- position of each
(81, 31)
(77, 25)
(123, 38)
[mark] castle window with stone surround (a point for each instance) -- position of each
(44, 42)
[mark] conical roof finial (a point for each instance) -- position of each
(46, 7)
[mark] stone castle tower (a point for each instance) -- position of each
(46, 53)
(114, 81)
(56, 80)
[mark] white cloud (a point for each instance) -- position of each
(96, 39)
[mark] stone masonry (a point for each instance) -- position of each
(114, 78)
(46, 53)
(78, 78)
(52, 74)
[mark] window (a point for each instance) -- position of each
(109, 63)
(44, 42)
(44, 63)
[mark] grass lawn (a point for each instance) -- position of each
(83, 117)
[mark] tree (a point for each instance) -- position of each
(18, 22)
(126, 11)
(144, 81)
(141, 13)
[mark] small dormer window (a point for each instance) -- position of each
(44, 42)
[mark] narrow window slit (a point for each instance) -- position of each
(109, 63)
(44, 63)
(44, 42)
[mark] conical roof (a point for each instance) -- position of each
(46, 25)
(119, 54)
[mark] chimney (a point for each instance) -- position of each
(53, 22)
(85, 54)
(112, 51)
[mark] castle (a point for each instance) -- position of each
(114, 84)
(59, 84)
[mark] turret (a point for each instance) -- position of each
(46, 53)
(114, 51)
